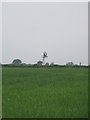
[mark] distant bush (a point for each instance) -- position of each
(16, 62)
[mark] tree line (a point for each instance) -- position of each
(18, 62)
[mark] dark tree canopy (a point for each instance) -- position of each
(16, 62)
(39, 63)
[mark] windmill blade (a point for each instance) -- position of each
(45, 54)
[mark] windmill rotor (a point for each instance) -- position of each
(44, 56)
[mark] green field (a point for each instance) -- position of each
(45, 92)
(0, 92)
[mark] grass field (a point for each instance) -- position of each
(45, 92)
(0, 92)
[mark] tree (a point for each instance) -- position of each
(69, 64)
(47, 64)
(39, 63)
(16, 62)
(80, 63)
(52, 64)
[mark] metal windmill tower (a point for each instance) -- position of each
(44, 56)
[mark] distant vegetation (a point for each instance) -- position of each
(19, 63)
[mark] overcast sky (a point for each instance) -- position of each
(60, 29)
(0, 32)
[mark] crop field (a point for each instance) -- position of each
(0, 92)
(45, 92)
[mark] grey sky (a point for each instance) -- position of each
(60, 29)
(0, 32)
